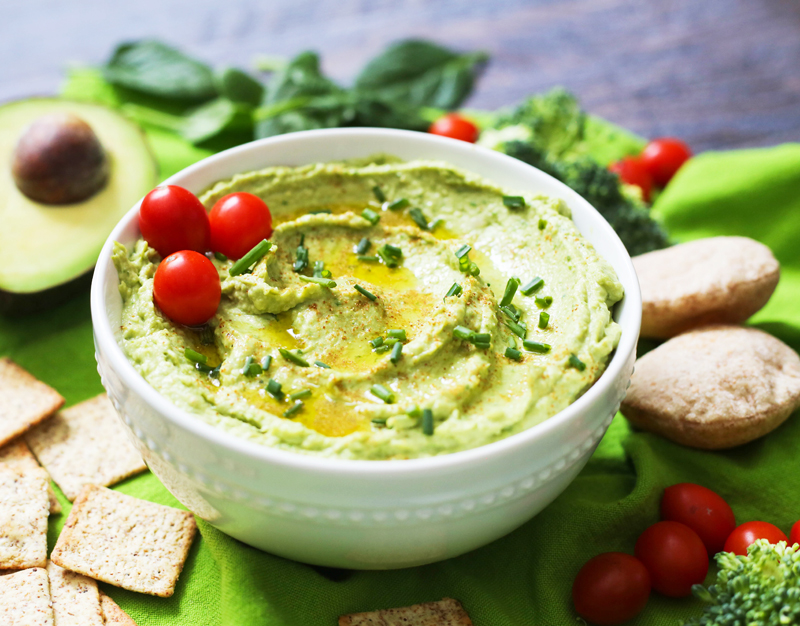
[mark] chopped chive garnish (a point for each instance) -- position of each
(455, 290)
(396, 205)
(207, 335)
(463, 251)
(370, 215)
(575, 362)
(319, 266)
(363, 246)
(377, 342)
(251, 368)
(419, 218)
(295, 408)
(384, 393)
(512, 342)
(300, 395)
(397, 351)
(390, 341)
(436, 223)
(511, 290)
(195, 357)
(542, 224)
(427, 422)
(397, 333)
(364, 292)
(514, 202)
(293, 357)
(202, 367)
(381, 349)
(535, 346)
(545, 302)
(320, 212)
(220, 257)
(324, 366)
(513, 353)
(480, 338)
(301, 256)
(474, 270)
(544, 320)
(532, 287)
(274, 389)
(266, 362)
(462, 332)
(518, 329)
(379, 421)
(368, 258)
(379, 194)
(325, 282)
(414, 411)
(251, 258)
(390, 254)
(511, 311)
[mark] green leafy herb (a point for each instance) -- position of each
(397, 333)
(294, 409)
(371, 216)
(274, 388)
(379, 195)
(455, 290)
(511, 290)
(463, 251)
(266, 362)
(325, 282)
(544, 320)
(533, 286)
(397, 351)
(220, 257)
(238, 86)
(391, 255)
(512, 312)
(513, 353)
(322, 365)
(514, 202)
(368, 258)
(301, 256)
(195, 357)
(419, 218)
(381, 349)
(462, 332)
(251, 258)
(544, 302)
(365, 293)
(536, 346)
(300, 395)
(383, 393)
(377, 342)
(363, 246)
(293, 357)
(396, 205)
(542, 224)
(427, 422)
(251, 368)
(518, 328)
(575, 362)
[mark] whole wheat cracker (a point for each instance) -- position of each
(113, 614)
(716, 387)
(445, 612)
(25, 599)
(76, 600)
(24, 508)
(17, 454)
(124, 541)
(717, 280)
(85, 444)
(24, 400)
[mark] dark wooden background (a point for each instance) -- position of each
(719, 73)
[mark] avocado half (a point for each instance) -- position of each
(48, 252)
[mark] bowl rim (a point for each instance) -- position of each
(108, 346)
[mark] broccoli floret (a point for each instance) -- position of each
(638, 231)
(760, 589)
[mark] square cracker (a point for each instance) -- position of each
(24, 401)
(113, 614)
(76, 601)
(25, 598)
(24, 507)
(124, 541)
(18, 454)
(445, 612)
(85, 445)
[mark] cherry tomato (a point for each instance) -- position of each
(186, 288)
(663, 157)
(746, 534)
(171, 218)
(456, 127)
(238, 222)
(794, 536)
(611, 588)
(631, 171)
(702, 510)
(675, 557)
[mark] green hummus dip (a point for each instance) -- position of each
(473, 391)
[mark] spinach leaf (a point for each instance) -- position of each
(212, 118)
(422, 74)
(238, 86)
(154, 68)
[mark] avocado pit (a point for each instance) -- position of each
(59, 160)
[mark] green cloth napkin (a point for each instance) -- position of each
(525, 577)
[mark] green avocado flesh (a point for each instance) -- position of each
(45, 250)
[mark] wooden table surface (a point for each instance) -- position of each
(718, 73)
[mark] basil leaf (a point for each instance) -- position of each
(154, 68)
(422, 74)
(238, 86)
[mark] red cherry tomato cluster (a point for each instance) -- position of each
(671, 555)
(655, 166)
(174, 222)
(456, 127)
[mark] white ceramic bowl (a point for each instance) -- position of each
(364, 514)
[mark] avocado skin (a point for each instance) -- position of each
(18, 304)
